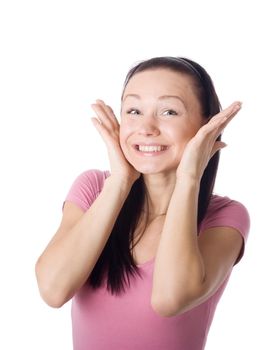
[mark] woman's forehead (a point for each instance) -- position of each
(159, 82)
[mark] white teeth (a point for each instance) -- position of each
(151, 148)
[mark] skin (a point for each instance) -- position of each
(188, 268)
(152, 121)
(170, 121)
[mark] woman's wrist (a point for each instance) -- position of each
(124, 183)
(188, 180)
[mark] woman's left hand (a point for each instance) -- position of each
(203, 145)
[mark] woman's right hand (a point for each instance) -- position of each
(108, 127)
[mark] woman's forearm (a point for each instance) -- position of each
(67, 262)
(179, 269)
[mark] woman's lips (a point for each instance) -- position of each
(148, 144)
(149, 152)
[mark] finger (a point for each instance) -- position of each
(109, 111)
(217, 124)
(104, 133)
(102, 116)
(227, 113)
(232, 115)
(217, 147)
(225, 122)
(112, 113)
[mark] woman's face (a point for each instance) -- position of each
(160, 113)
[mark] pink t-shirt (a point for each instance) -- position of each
(102, 321)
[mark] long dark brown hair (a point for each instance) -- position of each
(116, 261)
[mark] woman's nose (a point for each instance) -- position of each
(148, 126)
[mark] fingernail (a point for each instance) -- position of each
(238, 106)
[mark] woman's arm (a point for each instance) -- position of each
(188, 268)
(69, 258)
(183, 275)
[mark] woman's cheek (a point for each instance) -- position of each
(124, 133)
(123, 145)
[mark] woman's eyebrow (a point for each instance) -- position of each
(159, 98)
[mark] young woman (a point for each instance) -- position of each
(145, 250)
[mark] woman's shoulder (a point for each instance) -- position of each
(92, 179)
(224, 211)
(223, 203)
(86, 187)
(93, 176)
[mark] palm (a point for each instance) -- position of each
(203, 145)
(108, 127)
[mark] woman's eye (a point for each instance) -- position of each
(133, 111)
(170, 112)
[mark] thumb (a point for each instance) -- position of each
(217, 147)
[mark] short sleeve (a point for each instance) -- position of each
(86, 188)
(226, 212)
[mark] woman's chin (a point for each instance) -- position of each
(151, 169)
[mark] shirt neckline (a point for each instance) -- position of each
(146, 263)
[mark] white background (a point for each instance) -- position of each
(56, 58)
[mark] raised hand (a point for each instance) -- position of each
(108, 127)
(203, 145)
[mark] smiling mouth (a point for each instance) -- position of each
(150, 149)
